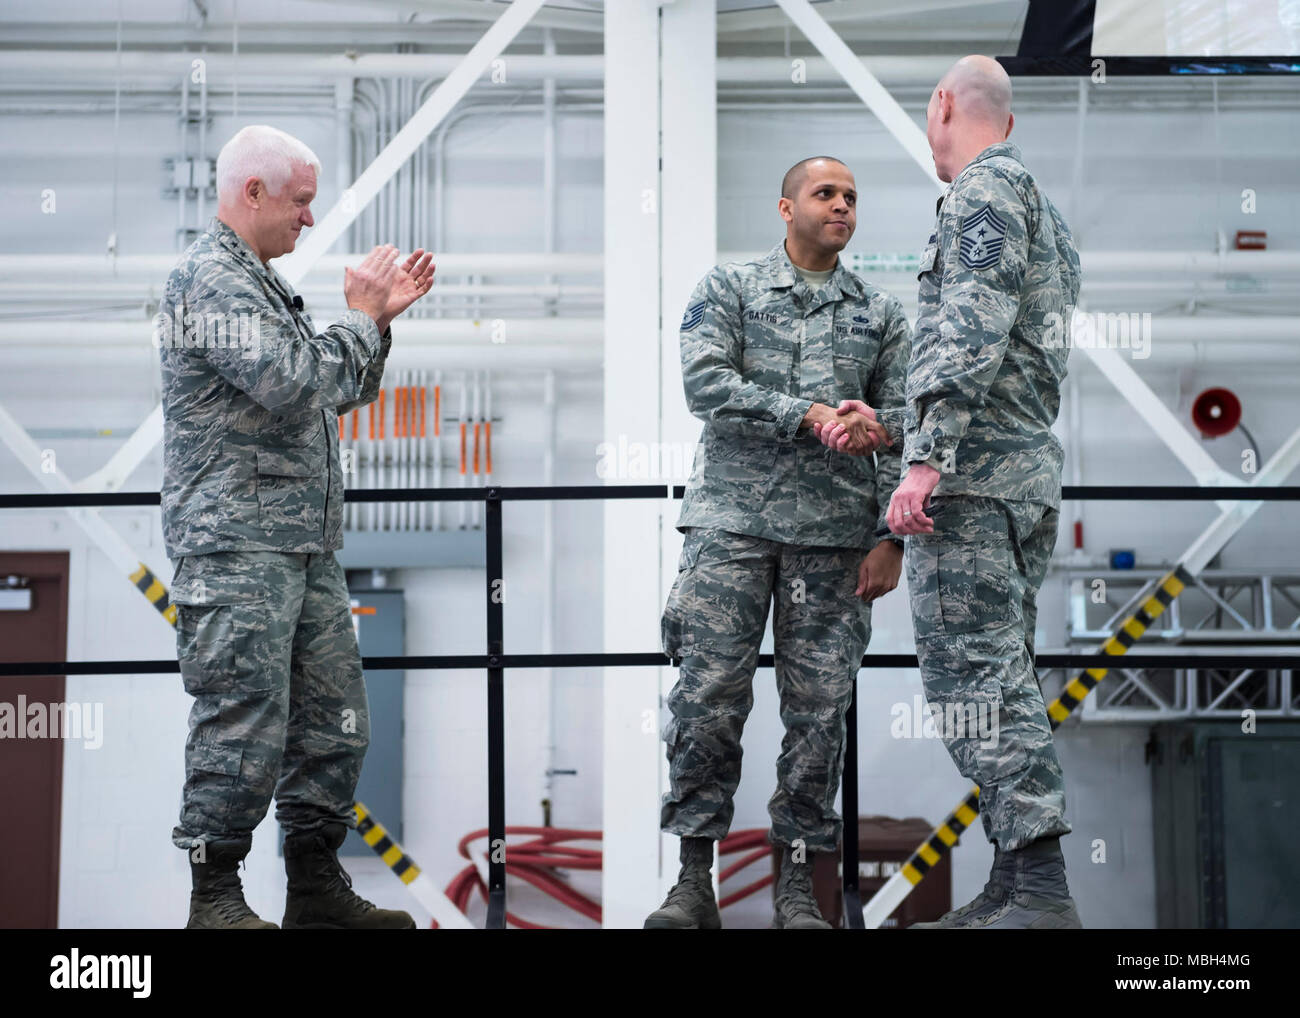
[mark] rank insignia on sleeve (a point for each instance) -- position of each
(694, 315)
(982, 236)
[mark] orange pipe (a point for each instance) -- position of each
(437, 409)
(399, 419)
(462, 447)
(372, 422)
(356, 423)
(381, 414)
(340, 427)
(488, 429)
(476, 448)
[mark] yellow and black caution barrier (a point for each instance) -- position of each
(946, 835)
(374, 834)
(153, 589)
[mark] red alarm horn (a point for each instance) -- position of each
(1216, 412)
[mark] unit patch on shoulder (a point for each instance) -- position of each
(694, 315)
(982, 236)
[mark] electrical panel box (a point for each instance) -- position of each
(1227, 824)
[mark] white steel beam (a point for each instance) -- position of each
(482, 10)
(632, 201)
(122, 464)
(452, 89)
(29, 454)
(688, 226)
(843, 11)
(1161, 419)
(1234, 516)
(864, 83)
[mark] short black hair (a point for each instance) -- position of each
(795, 174)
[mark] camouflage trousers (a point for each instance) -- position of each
(974, 585)
(714, 621)
(267, 649)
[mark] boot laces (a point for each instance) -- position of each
(227, 897)
(339, 883)
(797, 892)
(688, 885)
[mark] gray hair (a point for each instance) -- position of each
(264, 152)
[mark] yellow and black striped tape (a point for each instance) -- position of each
(1130, 631)
(942, 838)
(153, 589)
(373, 834)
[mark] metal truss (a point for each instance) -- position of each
(1235, 611)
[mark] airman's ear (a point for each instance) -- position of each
(1011, 122)
(254, 191)
(785, 206)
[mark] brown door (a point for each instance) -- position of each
(31, 769)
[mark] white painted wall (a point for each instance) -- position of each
(120, 801)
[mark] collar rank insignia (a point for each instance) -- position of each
(694, 315)
(982, 236)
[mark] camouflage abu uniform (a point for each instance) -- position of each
(983, 389)
(252, 503)
(772, 515)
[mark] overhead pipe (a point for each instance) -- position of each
(137, 65)
(182, 196)
(521, 331)
(158, 266)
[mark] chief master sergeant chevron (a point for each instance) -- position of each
(983, 390)
(252, 515)
(771, 350)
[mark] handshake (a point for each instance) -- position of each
(851, 427)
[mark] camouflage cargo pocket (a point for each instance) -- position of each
(290, 483)
(217, 648)
(674, 626)
(220, 623)
(960, 588)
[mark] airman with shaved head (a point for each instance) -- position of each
(980, 495)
